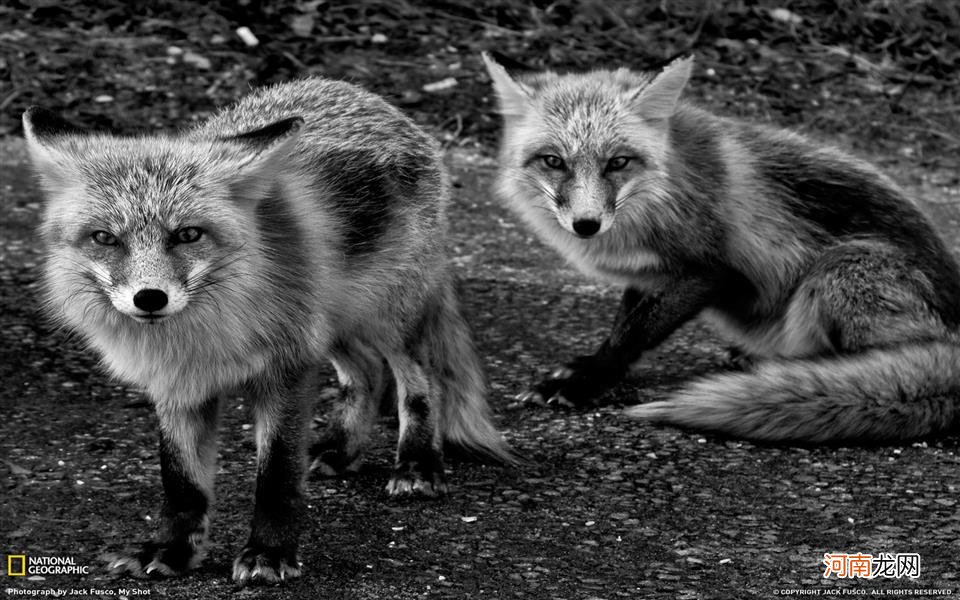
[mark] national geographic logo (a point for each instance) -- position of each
(21, 565)
(16, 565)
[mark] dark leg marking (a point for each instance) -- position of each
(642, 322)
(419, 466)
(740, 360)
(187, 464)
(328, 452)
(282, 415)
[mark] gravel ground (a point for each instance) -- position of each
(608, 508)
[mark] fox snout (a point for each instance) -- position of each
(151, 283)
(585, 224)
(586, 227)
(585, 205)
(149, 302)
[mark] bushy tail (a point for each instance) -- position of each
(466, 420)
(881, 395)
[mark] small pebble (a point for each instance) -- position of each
(248, 38)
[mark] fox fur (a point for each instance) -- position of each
(805, 258)
(304, 223)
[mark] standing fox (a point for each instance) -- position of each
(305, 222)
(800, 255)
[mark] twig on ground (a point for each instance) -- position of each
(499, 28)
(398, 63)
(939, 110)
(10, 98)
(296, 61)
(456, 132)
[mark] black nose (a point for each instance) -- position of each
(586, 227)
(150, 300)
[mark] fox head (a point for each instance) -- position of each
(582, 146)
(147, 229)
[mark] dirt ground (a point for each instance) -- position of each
(608, 507)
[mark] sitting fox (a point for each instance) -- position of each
(304, 223)
(801, 256)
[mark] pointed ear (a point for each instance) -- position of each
(263, 152)
(510, 64)
(657, 100)
(267, 145)
(514, 96)
(40, 123)
(269, 135)
(44, 131)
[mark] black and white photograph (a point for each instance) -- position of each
(557, 300)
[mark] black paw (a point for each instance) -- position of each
(577, 383)
(329, 458)
(156, 559)
(259, 565)
(739, 360)
(413, 478)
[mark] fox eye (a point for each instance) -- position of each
(552, 161)
(187, 235)
(104, 238)
(618, 163)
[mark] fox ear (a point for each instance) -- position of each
(265, 137)
(41, 124)
(263, 151)
(511, 65)
(514, 96)
(266, 145)
(44, 130)
(657, 100)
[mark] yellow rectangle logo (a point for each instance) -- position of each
(12, 559)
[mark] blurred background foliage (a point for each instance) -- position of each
(880, 75)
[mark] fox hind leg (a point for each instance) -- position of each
(187, 465)
(862, 354)
(419, 462)
(739, 359)
(860, 295)
(360, 372)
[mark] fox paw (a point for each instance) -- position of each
(409, 479)
(739, 360)
(578, 383)
(330, 464)
(329, 458)
(155, 559)
(258, 565)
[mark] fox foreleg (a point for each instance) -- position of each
(282, 413)
(643, 320)
(188, 456)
